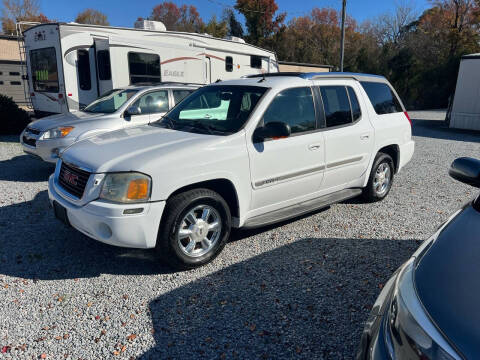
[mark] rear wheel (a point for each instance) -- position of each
(194, 229)
(381, 178)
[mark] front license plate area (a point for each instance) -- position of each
(60, 213)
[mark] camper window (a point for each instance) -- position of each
(83, 64)
(144, 68)
(256, 62)
(44, 70)
(103, 61)
(229, 64)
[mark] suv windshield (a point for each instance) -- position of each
(111, 101)
(214, 109)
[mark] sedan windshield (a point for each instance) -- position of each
(111, 101)
(217, 109)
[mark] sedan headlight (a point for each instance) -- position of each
(126, 187)
(408, 332)
(58, 132)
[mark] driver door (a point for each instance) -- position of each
(152, 105)
(287, 169)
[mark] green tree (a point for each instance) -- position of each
(234, 27)
(92, 16)
(216, 28)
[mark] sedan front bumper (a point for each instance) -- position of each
(47, 150)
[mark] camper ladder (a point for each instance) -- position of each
(23, 61)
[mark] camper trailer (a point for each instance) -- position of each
(69, 65)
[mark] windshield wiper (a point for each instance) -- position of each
(166, 122)
(199, 125)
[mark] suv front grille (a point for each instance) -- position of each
(73, 180)
(29, 141)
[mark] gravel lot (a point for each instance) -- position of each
(301, 289)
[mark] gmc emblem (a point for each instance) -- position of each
(70, 178)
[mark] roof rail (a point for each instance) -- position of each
(318, 75)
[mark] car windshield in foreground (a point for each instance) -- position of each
(110, 102)
(217, 109)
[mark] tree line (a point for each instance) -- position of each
(418, 53)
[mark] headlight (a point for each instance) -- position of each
(409, 333)
(58, 132)
(126, 187)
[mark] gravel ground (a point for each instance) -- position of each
(301, 289)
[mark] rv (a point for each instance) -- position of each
(69, 65)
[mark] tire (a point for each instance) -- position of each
(377, 189)
(188, 237)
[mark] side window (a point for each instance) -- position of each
(293, 107)
(228, 64)
(382, 98)
(153, 102)
(83, 64)
(356, 112)
(103, 61)
(179, 95)
(336, 105)
(144, 68)
(256, 62)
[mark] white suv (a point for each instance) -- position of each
(241, 153)
(120, 108)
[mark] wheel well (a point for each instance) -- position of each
(223, 187)
(394, 152)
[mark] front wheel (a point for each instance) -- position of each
(194, 229)
(381, 178)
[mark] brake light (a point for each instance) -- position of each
(69, 94)
(60, 96)
(32, 94)
(408, 117)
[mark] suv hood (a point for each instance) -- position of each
(67, 119)
(131, 148)
(446, 279)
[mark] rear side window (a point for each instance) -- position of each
(43, 63)
(103, 61)
(336, 105)
(179, 95)
(83, 64)
(293, 107)
(229, 64)
(356, 112)
(144, 68)
(382, 98)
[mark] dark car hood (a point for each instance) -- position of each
(447, 279)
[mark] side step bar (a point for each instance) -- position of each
(301, 208)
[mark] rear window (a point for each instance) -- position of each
(44, 70)
(382, 98)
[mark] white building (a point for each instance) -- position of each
(465, 111)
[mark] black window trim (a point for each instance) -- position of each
(316, 109)
(58, 71)
(257, 56)
(97, 57)
(325, 128)
(137, 52)
(351, 107)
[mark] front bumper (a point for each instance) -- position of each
(372, 344)
(106, 222)
(47, 150)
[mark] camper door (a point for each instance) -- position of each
(86, 82)
(103, 65)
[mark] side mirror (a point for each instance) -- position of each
(132, 110)
(466, 170)
(271, 130)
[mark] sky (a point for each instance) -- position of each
(125, 12)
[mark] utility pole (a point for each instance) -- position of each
(342, 40)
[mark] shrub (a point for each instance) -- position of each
(12, 118)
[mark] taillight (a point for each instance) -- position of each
(60, 96)
(32, 94)
(408, 117)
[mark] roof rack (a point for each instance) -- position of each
(318, 75)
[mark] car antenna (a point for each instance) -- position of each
(263, 78)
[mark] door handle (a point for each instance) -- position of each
(314, 147)
(364, 136)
